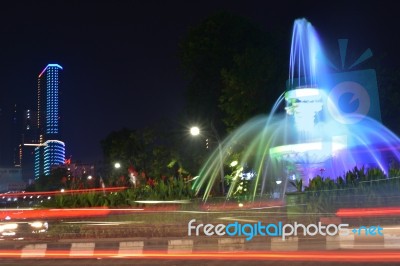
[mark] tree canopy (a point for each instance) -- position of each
(234, 70)
(157, 150)
(389, 88)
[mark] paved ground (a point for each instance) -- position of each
(118, 262)
(99, 247)
(203, 251)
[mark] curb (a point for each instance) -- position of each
(117, 248)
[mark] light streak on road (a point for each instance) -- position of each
(21, 214)
(59, 192)
(368, 212)
(317, 256)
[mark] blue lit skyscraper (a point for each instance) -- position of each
(48, 101)
(50, 150)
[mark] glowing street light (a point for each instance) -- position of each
(194, 131)
(117, 165)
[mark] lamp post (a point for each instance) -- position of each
(195, 131)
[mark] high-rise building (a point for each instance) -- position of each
(9, 133)
(6, 135)
(29, 138)
(50, 150)
(48, 101)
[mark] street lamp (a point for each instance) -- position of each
(117, 165)
(195, 131)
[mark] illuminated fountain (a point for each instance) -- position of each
(311, 145)
(330, 125)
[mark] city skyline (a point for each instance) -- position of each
(38, 145)
(120, 63)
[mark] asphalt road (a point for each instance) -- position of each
(156, 262)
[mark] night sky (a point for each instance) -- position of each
(120, 57)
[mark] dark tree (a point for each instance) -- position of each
(152, 150)
(389, 88)
(234, 70)
(55, 181)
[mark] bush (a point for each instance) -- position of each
(177, 189)
(359, 188)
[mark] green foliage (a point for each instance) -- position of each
(150, 150)
(239, 189)
(389, 96)
(298, 184)
(245, 84)
(340, 183)
(176, 189)
(242, 191)
(129, 147)
(49, 182)
(394, 172)
(233, 69)
(359, 188)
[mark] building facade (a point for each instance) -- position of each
(50, 150)
(28, 138)
(9, 134)
(11, 179)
